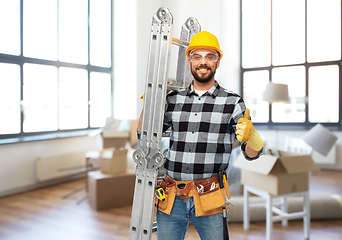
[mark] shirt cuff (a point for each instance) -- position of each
(243, 149)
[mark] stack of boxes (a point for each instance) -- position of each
(113, 185)
(114, 155)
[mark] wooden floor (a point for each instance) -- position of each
(44, 215)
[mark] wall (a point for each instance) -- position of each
(18, 160)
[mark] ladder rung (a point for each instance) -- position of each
(172, 88)
(180, 43)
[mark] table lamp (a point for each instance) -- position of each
(320, 139)
(276, 92)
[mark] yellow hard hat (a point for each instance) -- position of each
(204, 39)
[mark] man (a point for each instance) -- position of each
(204, 119)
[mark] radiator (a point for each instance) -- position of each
(58, 166)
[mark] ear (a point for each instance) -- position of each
(218, 63)
(189, 63)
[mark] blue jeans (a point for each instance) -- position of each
(174, 226)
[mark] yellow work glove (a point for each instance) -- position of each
(245, 132)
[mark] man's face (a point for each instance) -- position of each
(202, 65)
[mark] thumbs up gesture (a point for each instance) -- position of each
(245, 132)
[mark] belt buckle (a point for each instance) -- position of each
(181, 191)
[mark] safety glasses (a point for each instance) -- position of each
(208, 57)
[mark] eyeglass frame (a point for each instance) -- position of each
(204, 56)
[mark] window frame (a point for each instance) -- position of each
(294, 125)
(21, 60)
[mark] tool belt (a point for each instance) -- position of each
(208, 197)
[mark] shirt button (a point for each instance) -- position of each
(195, 114)
(193, 132)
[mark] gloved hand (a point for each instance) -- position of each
(245, 132)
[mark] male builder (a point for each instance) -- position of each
(204, 119)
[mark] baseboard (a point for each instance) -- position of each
(41, 185)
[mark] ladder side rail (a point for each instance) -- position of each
(149, 199)
(189, 28)
(152, 70)
(139, 189)
(160, 96)
(155, 158)
(140, 155)
(182, 59)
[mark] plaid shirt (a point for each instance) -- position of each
(202, 131)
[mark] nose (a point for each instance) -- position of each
(203, 59)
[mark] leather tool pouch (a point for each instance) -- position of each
(170, 194)
(212, 199)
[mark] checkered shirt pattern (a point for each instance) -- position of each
(202, 131)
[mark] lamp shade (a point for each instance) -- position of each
(276, 92)
(320, 139)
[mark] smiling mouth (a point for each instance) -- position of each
(203, 69)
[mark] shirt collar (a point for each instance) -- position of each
(213, 91)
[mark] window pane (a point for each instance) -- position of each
(256, 33)
(40, 98)
(294, 111)
(324, 30)
(40, 29)
(9, 98)
(73, 31)
(288, 33)
(10, 27)
(100, 98)
(73, 98)
(324, 94)
(100, 33)
(254, 83)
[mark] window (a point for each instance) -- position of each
(73, 98)
(9, 98)
(40, 98)
(100, 92)
(10, 27)
(302, 51)
(55, 66)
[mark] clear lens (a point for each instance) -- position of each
(198, 57)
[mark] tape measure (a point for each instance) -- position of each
(160, 194)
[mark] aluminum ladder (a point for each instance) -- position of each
(148, 157)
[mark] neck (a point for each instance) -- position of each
(204, 86)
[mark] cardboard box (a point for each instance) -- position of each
(107, 191)
(115, 139)
(287, 173)
(133, 132)
(114, 161)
